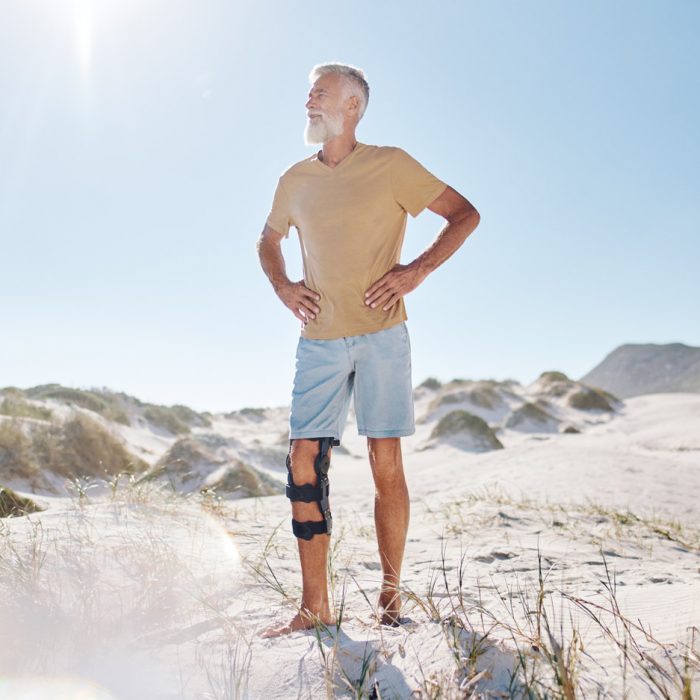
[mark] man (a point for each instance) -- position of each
(349, 204)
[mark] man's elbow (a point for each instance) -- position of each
(468, 216)
(259, 243)
(476, 218)
(263, 242)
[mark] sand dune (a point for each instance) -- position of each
(174, 589)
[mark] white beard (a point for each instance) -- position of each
(324, 129)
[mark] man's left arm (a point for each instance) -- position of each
(462, 218)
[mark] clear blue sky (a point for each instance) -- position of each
(141, 141)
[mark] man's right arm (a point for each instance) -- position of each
(298, 298)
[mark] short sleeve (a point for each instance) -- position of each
(414, 187)
(279, 217)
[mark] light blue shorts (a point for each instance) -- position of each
(376, 366)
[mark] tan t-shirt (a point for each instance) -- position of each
(351, 221)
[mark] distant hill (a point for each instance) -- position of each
(631, 370)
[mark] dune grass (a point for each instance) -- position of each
(518, 635)
(74, 448)
(107, 404)
(18, 407)
(115, 406)
(459, 422)
(590, 399)
(430, 383)
(14, 505)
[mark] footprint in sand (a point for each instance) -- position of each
(371, 565)
(493, 556)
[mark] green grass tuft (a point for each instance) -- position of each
(458, 423)
(166, 418)
(78, 447)
(19, 408)
(14, 505)
(106, 404)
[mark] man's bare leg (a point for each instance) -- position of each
(313, 553)
(391, 516)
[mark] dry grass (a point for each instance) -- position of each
(17, 407)
(518, 636)
(458, 423)
(107, 404)
(114, 576)
(14, 505)
(76, 448)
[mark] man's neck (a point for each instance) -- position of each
(337, 149)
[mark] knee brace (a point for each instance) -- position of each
(308, 493)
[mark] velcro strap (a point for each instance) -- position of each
(307, 530)
(306, 493)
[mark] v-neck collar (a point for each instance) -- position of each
(347, 158)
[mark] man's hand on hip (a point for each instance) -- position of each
(300, 300)
(396, 283)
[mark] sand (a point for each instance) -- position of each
(141, 594)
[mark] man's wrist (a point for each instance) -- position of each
(279, 283)
(421, 267)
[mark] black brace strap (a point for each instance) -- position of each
(309, 493)
(308, 529)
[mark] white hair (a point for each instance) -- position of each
(328, 127)
(354, 80)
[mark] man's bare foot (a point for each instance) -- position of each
(390, 605)
(303, 620)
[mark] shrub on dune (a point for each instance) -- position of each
(14, 505)
(85, 448)
(430, 383)
(589, 399)
(255, 414)
(189, 416)
(531, 418)
(106, 404)
(166, 418)
(485, 396)
(77, 447)
(554, 384)
(554, 376)
(240, 479)
(18, 407)
(16, 459)
(189, 465)
(465, 430)
(448, 399)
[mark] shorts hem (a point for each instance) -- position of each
(310, 435)
(386, 433)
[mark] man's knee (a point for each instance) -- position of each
(386, 462)
(302, 454)
(384, 451)
(310, 484)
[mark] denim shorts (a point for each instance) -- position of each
(376, 367)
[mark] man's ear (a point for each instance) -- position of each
(353, 103)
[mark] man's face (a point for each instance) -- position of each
(325, 110)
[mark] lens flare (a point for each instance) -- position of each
(101, 595)
(84, 24)
(58, 688)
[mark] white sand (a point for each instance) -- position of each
(154, 599)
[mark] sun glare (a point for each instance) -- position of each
(83, 17)
(58, 688)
